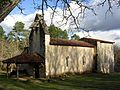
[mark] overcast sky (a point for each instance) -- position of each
(101, 26)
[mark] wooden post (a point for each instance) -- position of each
(33, 72)
(7, 70)
(17, 69)
(37, 71)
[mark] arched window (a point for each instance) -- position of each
(67, 58)
(83, 59)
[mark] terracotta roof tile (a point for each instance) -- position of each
(64, 42)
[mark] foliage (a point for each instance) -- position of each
(75, 37)
(56, 32)
(4, 2)
(2, 33)
(19, 34)
(14, 43)
(17, 31)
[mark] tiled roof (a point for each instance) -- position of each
(25, 58)
(92, 39)
(64, 42)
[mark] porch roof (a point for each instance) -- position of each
(25, 58)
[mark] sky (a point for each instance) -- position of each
(101, 26)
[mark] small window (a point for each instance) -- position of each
(83, 59)
(67, 60)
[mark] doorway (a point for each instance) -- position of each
(37, 73)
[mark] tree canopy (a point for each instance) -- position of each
(14, 42)
(18, 32)
(56, 32)
(75, 37)
(19, 35)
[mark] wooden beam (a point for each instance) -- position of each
(7, 70)
(17, 69)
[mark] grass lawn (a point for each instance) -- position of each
(74, 82)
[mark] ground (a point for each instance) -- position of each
(73, 82)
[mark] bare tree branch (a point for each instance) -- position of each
(67, 9)
(21, 9)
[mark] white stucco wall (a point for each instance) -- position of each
(105, 57)
(80, 59)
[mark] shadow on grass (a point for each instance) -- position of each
(12, 84)
(92, 81)
(79, 82)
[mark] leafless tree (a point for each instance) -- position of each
(68, 13)
(67, 8)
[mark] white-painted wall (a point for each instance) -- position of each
(80, 59)
(105, 57)
(56, 62)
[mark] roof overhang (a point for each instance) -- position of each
(25, 58)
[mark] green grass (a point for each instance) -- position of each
(75, 82)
